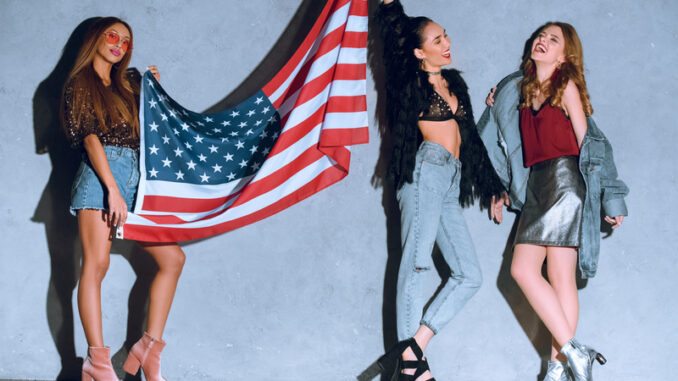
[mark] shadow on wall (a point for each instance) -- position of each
(61, 228)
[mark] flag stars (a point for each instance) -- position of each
(243, 163)
(228, 157)
(213, 148)
(152, 103)
(253, 149)
(188, 145)
(216, 130)
(198, 138)
(200, 123)
(150, 83)
(180, 175)
(226, 123)
(255, 166)
(231, 176)
(163, 116)
(204, 178)
(153, 173)
(272, 118)
(191, 165)
(202, 157)
(275, 135)
(235, 113)
(153, 149)
(249, 132)
(154, 126)
(265, 110)
(172, 114)
(176, 132)
(266, 151)
(259, 100)
(166, 162)
(165, 139)
(242, 124)
(178, 152)
(184, 126)
(234, 133)
(224, 140)
(259, 122)
(208, 119)
(251, 112)
(263, 134)
(217, 168)
(162, 97)
(240, 145)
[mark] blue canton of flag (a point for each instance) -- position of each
(185, 146)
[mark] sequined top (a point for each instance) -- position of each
(439, 110)
(120, 135)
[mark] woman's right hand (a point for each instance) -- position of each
(117, 208)
(490, 97)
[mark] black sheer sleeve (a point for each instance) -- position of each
(78, 125)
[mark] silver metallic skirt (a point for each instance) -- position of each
(552, 213)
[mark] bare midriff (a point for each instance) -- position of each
(445, 133)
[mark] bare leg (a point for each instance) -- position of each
(561, 265)
(423, 336)
(526, 270)
(96, 242)
(170, 259)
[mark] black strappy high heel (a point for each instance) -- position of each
(393, 360)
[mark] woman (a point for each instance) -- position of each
(100, 116)
(438, 164)
(559, 218)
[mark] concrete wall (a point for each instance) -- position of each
(308, 293)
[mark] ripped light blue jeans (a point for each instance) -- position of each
(430, 213)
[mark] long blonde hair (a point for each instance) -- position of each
(118, 105)
(571, 69)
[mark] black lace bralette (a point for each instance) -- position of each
(439, 110)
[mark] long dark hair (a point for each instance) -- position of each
(119, 105)
(407, 87)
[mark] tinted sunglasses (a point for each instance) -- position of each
(113, 38)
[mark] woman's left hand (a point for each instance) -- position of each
(615, 222)
(154, 70)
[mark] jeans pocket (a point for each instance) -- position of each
(434, 177)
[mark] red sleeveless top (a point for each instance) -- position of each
(547, 133)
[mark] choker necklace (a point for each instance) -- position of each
(432, 72)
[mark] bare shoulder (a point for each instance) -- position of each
(571, 90)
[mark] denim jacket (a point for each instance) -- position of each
(499, 128)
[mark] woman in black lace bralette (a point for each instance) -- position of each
(100, 116)
(438, 165)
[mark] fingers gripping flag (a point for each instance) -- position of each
(206, 174)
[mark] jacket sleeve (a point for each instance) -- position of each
(614, 190)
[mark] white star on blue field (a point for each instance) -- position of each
(188, 147)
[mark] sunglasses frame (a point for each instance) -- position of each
(126, 45)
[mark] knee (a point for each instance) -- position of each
(471, 279)
(173, 263)
(96, 267)
(518, 273)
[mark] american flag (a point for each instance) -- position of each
(206, 174)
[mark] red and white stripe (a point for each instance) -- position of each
(320, 96)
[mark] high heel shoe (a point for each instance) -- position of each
(557, 371)
(393, 360)
(97, 366)
(580, 360)
(145, 354)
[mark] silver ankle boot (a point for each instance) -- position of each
(580, 359)
(557, 371)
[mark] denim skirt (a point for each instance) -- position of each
(88, 192)
(552, 214)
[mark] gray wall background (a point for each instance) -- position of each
(308, 293)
